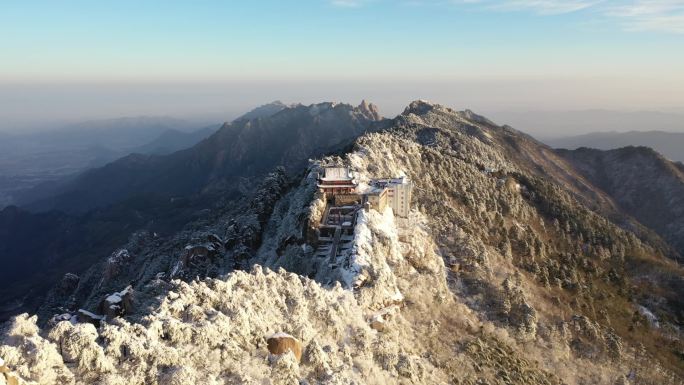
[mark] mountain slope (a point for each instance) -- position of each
(174, 140)
(501, 274)
(28, 160)
(670, 144)
(265, 111)
(116, 134)
(644, 184)
(38, 249)
(135, 194)
(238, 151)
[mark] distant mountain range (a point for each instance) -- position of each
(173, 140)
(117, 133)
(53, 157)
(546, 125)
(669, 144)
(239, 150)
(30, 159)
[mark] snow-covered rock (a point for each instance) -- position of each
(282, 343)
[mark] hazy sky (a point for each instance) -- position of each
(70, 60)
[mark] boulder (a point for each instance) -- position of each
(117, 304)
(85, 316)
(6, 377)
(11, 379)
(377, 324)
(199, 252)
(281, 343)
(68, 284)
(57, 318)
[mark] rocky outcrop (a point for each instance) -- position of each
(516, 309)
(68, 284)
(369, 110)
(117, 304)
(282, 343)
(115, 263)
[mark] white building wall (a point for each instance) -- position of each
(399, 197)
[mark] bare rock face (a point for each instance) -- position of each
(281, 343)
(418, 107)
(6, 377)
(369, 110)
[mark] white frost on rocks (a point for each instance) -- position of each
(212, 332)
(381, 313)
(31, 357)
(369, 265)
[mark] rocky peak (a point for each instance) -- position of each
(369, 110)
(266, 110)
(419, 107)
(320, 108)
(470, 115)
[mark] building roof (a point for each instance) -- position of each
(346, 185)
(375, 190)
(337, 174)
(390, 181)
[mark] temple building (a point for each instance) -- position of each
(337, 180)
(340, 187)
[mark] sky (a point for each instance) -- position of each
(64, 60)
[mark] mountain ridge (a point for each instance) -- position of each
(643, 182)
(668, 143)
(216, 160)
(502, 273)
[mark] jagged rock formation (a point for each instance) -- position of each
(502, 274)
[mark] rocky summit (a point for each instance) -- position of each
(512, 264)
